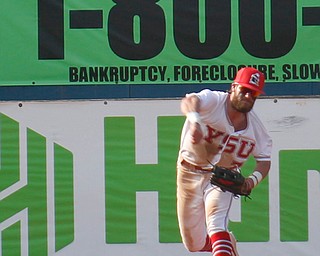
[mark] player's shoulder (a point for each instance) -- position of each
(211, 99)
(256, 122)
(207, 93)
(254, 117)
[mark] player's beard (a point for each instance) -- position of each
(241, 104)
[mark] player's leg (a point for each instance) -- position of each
(224, 244)
(234, 244)
(190, 209)
(217, 205)
(221, 244)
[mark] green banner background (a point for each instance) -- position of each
(146, 41)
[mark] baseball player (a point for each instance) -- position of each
(221, 129)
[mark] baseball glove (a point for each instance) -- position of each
(229, 180)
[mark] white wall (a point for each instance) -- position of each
(79, 127)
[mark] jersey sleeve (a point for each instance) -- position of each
(263, 147)
(209, 100)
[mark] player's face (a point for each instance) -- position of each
(242, 99)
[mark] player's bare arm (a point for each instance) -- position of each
(190, 107)
(190, 104)
(261, 171)
(263, 167)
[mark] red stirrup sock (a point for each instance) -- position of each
(221, 244)
(208, 246)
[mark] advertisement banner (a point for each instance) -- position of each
(99, 178)
(68, 42)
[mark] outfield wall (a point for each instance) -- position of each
(81, 175)
(98, 178)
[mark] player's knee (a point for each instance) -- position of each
(192, 241)
(193, 247)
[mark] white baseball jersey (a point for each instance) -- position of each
(222, 145)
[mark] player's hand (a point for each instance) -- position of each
(196, 133)
(247, 186)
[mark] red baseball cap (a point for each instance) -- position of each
(250, 78)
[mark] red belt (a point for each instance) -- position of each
(186, 164)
